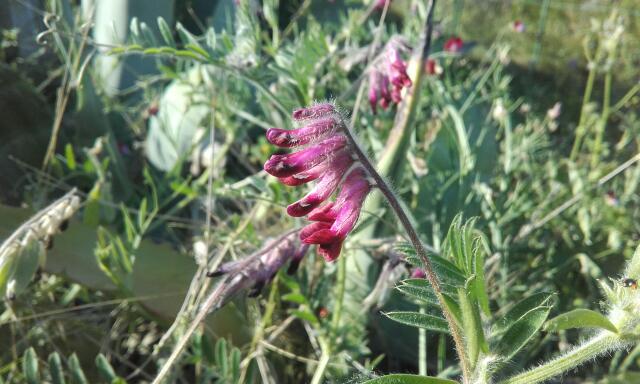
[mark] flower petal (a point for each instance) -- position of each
(331, 251)
(325, 213)
(322, 236)
(312, 228)
(326, 186)
(290, 164)
(295, 137)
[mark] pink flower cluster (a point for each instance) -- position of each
(390, 72)
(327, 157)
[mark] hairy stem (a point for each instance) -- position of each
(594, 347)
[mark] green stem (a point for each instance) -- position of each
(586, 97)
(594, 347)
(625, 99)
(606, 103)
(340, 284)
(422, 348)
(542, 23)
(326, 343)
(322, 366)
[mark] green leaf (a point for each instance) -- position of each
(401, 378)
(424, 284)
(633, 267)
(521, 308)
(92, 206)
(27, 264)
(30, 366)
(419, 320)
(579, 318)
(471, 325)
(166, 33)
(7, 267)
(235, 364)
(480, 288)
(466, 159)
(76, 370)
(105, 369)
(221, 356)
(70, 157)
(305, 315)
(55, 369)
(520, 332)
(446, 270)
(297, 298)
(208, 349)
(422, 294)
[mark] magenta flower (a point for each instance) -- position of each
(327, 158)
(387, 78)
(418, 273)
(518, 26)
(454, 45)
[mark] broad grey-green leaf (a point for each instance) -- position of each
(181, 110)
(30, 366)
(521, 308)
(521, 331)
(579, 318)
(55, 369)
(401, 378)
(420, 320)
